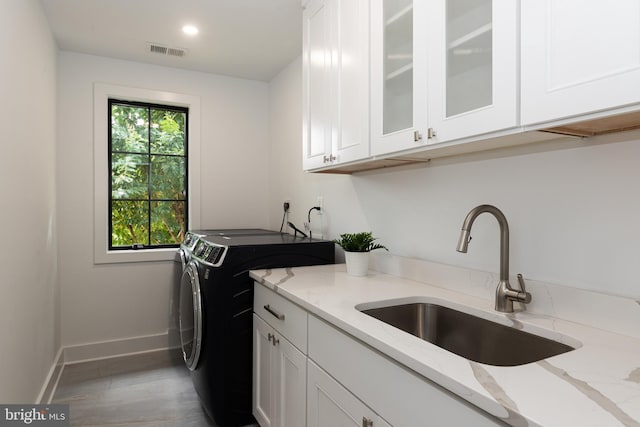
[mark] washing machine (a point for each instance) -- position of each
(216, 303)
(182, 258)
(183, 254)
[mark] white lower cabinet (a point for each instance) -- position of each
(279, 360)
(279, 378)
(309, 373)
(396, 394)
(331, 405)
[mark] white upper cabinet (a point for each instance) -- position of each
(316, 83)
(398, 75)
(578, 57)
(351, 83)
(442, 70)
(472, 47)
(447, 77)
(335, 82)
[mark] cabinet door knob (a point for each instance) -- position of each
(417, 136)
(431, 133)
(270, 336)
(366, 422)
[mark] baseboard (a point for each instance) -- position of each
(103, 350)
(115, 348)
(51, 382)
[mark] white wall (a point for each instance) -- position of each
(29, 309)
(287, 181)
(120, 301)
(573, 213)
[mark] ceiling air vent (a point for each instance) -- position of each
(166, 50)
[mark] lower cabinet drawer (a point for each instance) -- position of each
(282, 315)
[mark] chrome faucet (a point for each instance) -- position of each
(505, 294)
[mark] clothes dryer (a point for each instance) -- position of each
(182, 258)
(183, 255)
(216, 303)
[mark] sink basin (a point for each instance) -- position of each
(471, 337)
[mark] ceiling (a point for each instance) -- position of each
(252, 39)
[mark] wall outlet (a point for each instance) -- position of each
(320, 204)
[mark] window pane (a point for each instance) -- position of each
(129, 129)
(129, 223)
(167, 222)
(167, 177)
(148, 149)
(167, 132)
(129, 176)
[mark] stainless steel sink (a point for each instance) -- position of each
(471, 337)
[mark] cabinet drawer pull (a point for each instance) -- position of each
(277, 315)
(366, 422)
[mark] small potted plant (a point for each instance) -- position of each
(356, 251)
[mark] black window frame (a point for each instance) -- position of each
(149, 200)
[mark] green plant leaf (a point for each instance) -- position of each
(358, 242)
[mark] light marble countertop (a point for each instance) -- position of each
(598, 384)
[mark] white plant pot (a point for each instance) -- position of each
(357, 263)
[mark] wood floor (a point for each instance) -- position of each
(145, 390)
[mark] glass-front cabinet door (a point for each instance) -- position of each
(398, 75)
(397, 66)
(469, 43)
(472, 67)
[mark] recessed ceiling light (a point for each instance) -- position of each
(190, 30)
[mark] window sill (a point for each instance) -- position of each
(135, 255)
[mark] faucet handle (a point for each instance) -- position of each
(523, 296)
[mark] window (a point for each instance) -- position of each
(148, 175)
(103, 252)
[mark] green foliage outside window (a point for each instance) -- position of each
(148, 175)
